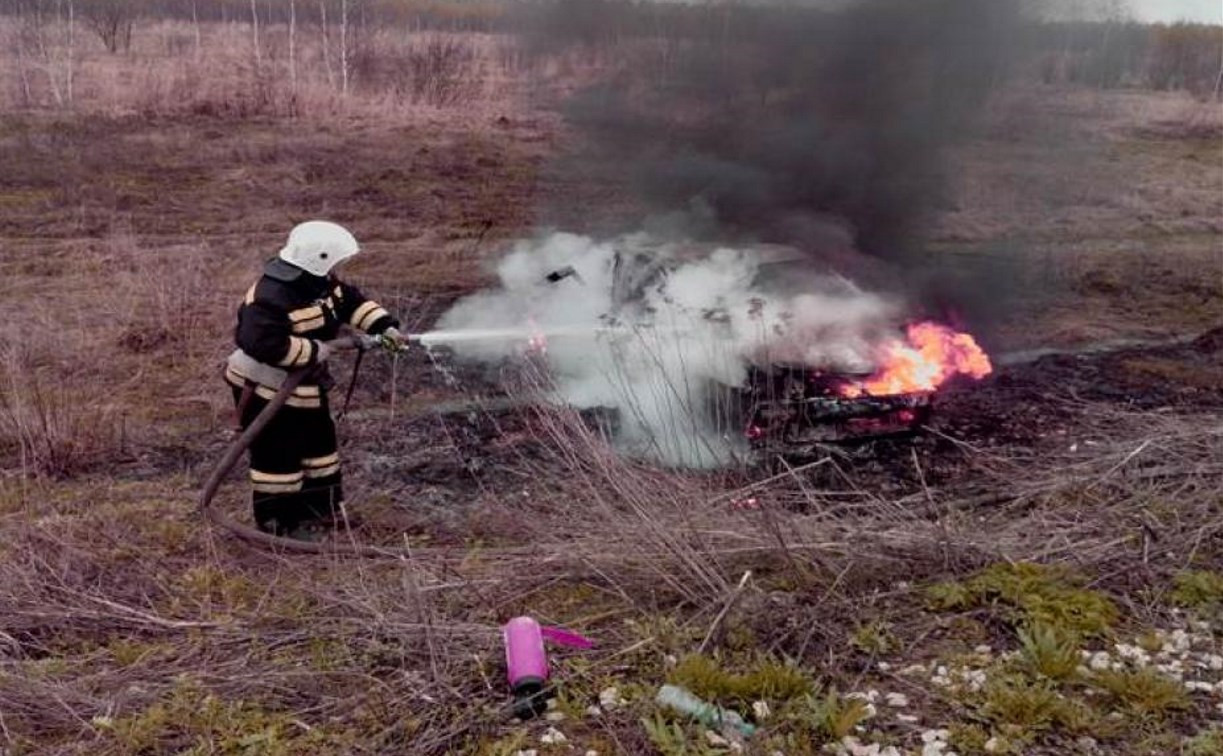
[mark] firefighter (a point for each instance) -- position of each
(284, 323)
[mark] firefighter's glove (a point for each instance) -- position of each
(322, 350)
(393, 340)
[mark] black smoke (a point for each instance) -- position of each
(792, 124)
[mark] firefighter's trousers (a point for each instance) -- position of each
(295, 465)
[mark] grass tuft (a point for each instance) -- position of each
(670, 738)
(768, 680)
(1198, 589)
(1143, 691)
(875, 638)
(832, 716)
(1049, 652)
(1022, 704)
(1205, 743)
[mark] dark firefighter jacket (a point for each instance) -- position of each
(281, 320)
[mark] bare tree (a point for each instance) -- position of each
(255, 29)
(71, 53)
(322, 11)
(293, 43)
(344, 31)
(195, 22)
(112, 21)
(45, 39)
(23, 70)
(1219, 78)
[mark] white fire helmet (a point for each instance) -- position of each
(318, 246)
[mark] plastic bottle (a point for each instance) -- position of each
(704, 712)
(526, 665)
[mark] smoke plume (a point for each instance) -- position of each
(790, 123)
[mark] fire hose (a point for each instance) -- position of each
(243, 442)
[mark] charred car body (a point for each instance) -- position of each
(781, 407)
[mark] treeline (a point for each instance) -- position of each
(451, 15)
(1105, 53)
(1111, 55)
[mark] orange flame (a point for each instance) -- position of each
(537, 341)
(933, 354)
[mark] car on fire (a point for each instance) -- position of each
(791, 409)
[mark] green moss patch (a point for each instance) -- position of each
(766, 679)
(1029, 595)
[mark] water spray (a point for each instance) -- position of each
(431, 339)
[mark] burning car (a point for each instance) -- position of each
(793, 407)
(787, 406)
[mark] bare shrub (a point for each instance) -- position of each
(436, 69)
(169, 299)
(171, 72)
(178, 44)
(49, 429)
(45, 64)
(229, 89)
(112, 21)
(443, 72)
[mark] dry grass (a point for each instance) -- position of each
(393, 73)
(1089, 216)
(135, 622)
(45, 427)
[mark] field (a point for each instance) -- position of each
(1039, 572)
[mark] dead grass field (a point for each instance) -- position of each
(130, 224)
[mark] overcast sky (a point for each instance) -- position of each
(1205, 11)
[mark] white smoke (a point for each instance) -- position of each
(658, 331)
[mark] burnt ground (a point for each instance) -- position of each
(1027, 404)
(429, 470)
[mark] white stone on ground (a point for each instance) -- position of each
(610, 698)
(553, 736)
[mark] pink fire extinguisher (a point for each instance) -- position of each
(526, 662)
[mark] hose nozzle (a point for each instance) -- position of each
(365, 342)
(388, 344)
